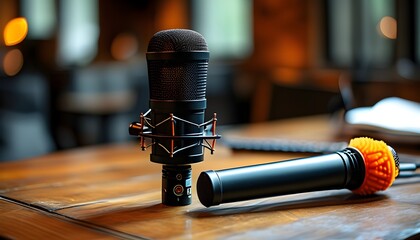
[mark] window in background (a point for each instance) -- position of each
(340, 34)
(41, 17)
(226, 26)
(78, 32)
(360, 32)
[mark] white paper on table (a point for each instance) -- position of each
(394, 115)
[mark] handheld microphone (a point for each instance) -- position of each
(177, 62)
(364, 167)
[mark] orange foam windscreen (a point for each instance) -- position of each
(381, 168)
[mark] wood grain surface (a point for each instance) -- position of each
(114, 191)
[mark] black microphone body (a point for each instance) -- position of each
(165, 102)
(177, 62)
(342, 169)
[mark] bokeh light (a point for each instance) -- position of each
(124, 46)
(12, 62)
(15, 31)
(388, 27)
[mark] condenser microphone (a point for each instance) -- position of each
(365, 166)
(177, 62)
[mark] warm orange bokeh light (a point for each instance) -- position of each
(124, 46)
(15, 31)
(12, 62)
(388, 27)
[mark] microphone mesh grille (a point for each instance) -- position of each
(177, 79)
(177, 40)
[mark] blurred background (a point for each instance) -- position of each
(73, 72)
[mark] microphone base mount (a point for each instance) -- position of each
(176, 185)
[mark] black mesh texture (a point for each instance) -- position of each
(177, 40)
(172, 80)
(396, 158)
(177, 79)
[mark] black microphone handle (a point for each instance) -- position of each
(342, 169)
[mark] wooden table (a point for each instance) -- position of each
(113, 191)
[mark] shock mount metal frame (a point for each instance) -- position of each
(145, 131)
